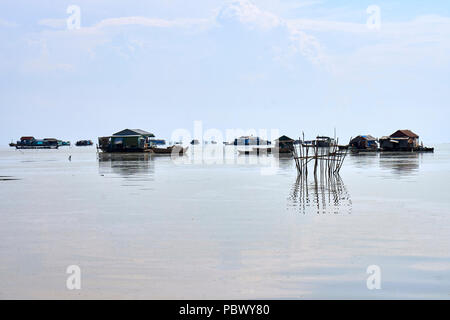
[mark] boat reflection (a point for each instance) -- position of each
(320, 194)
(133, 166)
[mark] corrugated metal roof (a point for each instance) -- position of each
(284, 138)
(369, 137)
(133, 132)
(403, 133)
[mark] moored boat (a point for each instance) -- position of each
(83, 143)
(29, 142)
(172, 150)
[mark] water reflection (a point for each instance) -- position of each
(321, 195)
(400, 163)
(363, 160)
(131, 166)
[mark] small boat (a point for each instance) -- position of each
(63, 143)
(156, 142)
(175, 150)
(83, 143)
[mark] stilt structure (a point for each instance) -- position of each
(327, 160)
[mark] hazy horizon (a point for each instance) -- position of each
(295, 66)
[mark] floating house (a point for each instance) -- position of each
(29, 142)
(323, 142)
(127, 140)
(284, 143)
(195, 142)
(400, 140)
(250, 141)
(364, 142)
(320, 141)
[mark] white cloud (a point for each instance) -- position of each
(53, 23)
(242, 11)
(407, 41)
(151, 22)
(44, 63)
(247, 13)
(308, 46)
(327, 26)
(130, 21)
(7, 24)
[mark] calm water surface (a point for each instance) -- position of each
(212, 226)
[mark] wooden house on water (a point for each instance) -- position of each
(128, 140)
(250, 141)
(400, 140)
(324, 142)
(285, 144)
(364, 142)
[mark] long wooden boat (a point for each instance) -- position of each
(175, 150)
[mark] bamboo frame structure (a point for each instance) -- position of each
(327, 160)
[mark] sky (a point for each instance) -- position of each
(296, 66)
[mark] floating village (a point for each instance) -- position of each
(324, 153)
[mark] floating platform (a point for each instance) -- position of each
(36, 147)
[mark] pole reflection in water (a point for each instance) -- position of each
(321, 195)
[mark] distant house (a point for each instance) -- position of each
(324, 142)
(400, 140)
(284, 142)
(249, 141)
(363, 142)
(127, 140)
(195, 142)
